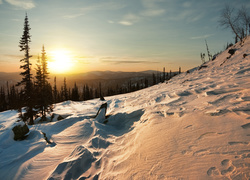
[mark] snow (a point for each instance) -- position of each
(195, 126)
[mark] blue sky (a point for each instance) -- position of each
(116, 35)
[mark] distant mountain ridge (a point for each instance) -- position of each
(14, 77)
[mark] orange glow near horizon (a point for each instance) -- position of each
(60, 62)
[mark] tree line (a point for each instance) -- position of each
(11, 96)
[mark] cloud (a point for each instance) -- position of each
(16, 20)
(182, 15)
(129, 19)
(125, 60)
(8, 57)
(73, 16)
(128, 62)
(152, 8)
(153, 12)
(102, 6)
(25, 4)
(202, 37)
(126, 23)
(111, 22)
(187, 4)
(94, 7)
(150, 3)
(85, 59)
(189, 16)
(1, 2)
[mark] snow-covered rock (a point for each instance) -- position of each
(20, 131)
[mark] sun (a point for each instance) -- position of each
(60, 61)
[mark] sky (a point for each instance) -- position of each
(113, 35)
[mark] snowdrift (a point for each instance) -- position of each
(195, 126)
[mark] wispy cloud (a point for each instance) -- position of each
(188, 15)
(125, 60)
(151, 8)
(16, 20)
(153, 12)
(111, 22)
(129, 62)
(85, 59)
(202, 37)
(187, 4)
(8, 57)
(94, 7)
(73, 16)
(25, 4)
(129, 19)
(181, 16)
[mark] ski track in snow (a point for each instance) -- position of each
(195, 126)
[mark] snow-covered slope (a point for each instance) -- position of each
(196, 126)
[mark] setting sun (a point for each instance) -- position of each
(60, 62)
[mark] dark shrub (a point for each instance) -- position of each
(232, 51)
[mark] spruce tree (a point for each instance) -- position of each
(47, 97)
(13, 98)
(65, 90)
(38, 85)
(55, 92)
(27, 93)
(3, 102)
(154, 79)
(164, 75)
(75, 93)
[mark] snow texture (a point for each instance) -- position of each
(195, 126)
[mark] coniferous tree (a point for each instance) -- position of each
(179, 70)
(69, 94)
(3, 102)
(96, 93)
(65, 90)
(100, 89)
(38, 85)
(47, 97)
(55, 92)
(13, 98)
(27, 92)
(87, 94)
(44, 97)
(61, 95)
(154, 79)
(75, 93)
(91, 93)
(146, 82)
(8, 95)
(164, 75)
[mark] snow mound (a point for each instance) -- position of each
(75, 165)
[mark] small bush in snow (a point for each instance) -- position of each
(244, 55)
(231, 51)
